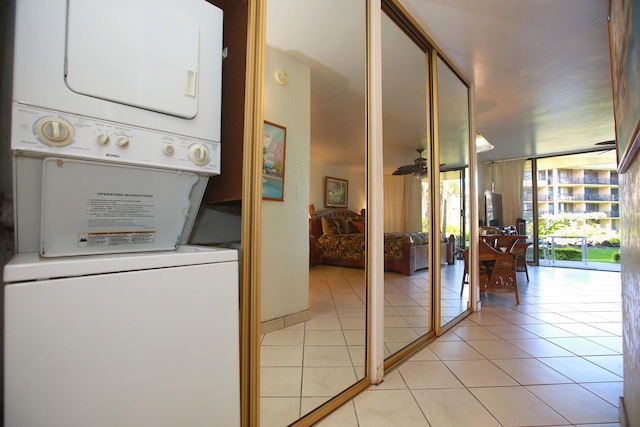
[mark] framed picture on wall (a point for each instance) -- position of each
(624, 32)
(273, 155)
(336, 192)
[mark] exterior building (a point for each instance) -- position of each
(580, 191)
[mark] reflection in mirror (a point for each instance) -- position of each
(407, 290)
(313, 292)
(453, 108)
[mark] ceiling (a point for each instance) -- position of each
(540, 68)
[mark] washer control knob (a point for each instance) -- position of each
(199, 154)
(123, 141)
(54, 131)
(103, 139)
(168, 150)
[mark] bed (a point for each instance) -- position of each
(337, 238)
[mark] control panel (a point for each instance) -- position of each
(43, 132)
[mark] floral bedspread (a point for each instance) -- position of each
(351, 246)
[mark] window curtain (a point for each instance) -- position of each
(402, 203)
(505, 178)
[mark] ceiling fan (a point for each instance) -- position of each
(607, 146)
(419, 168)
(606, 143)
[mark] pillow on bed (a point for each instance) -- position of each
(357, 227)
(345, 224)
(331, 226)
(348, 226)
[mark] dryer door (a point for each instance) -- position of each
(142, 53)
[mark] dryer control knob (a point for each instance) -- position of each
(123, 141)
(199, 154)
(54, 131)
(168, 150)
(103, 139)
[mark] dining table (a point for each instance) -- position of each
(503, 242)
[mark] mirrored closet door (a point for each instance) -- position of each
(408, 296)
(453, 133)
(313, 295)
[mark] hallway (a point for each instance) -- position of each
(554, 360)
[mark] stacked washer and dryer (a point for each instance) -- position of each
(111, 318)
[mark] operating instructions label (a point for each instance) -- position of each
(108, 208)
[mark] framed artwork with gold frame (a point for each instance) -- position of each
(274, 142)
(336, 192)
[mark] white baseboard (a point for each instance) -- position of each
(284, 321)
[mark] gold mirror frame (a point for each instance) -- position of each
(251, 215)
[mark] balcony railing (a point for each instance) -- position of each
(587, 180)
(589, 197)
(609, 214)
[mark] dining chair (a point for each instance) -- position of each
(465, 272)
(502, 273)
(519, 251)
(484, 272)
(505, 243)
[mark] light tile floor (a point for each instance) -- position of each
(554, 360)
(304, 365)
(299, 363)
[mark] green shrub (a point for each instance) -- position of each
(568, 254)
(615, 257)
(563, 254)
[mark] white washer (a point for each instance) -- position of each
(147, 339)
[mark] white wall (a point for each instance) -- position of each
(285, 235)
(357, 196)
